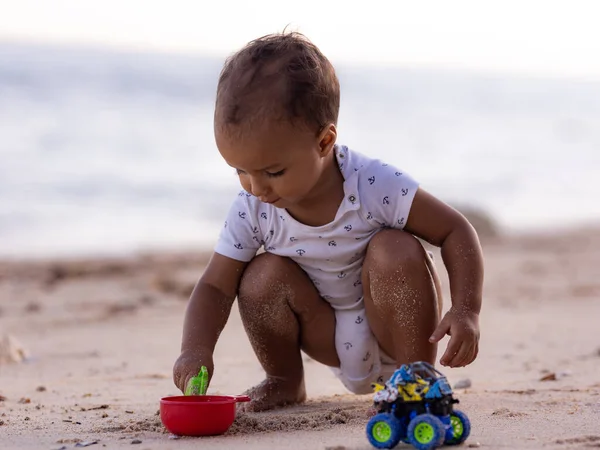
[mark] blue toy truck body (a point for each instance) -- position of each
(416, 405)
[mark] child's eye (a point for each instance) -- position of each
(276, 174)
(239, 172)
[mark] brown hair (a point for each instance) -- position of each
(280, 76)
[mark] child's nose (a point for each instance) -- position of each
(258, 187)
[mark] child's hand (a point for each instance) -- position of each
(188, 365)
(463, 329)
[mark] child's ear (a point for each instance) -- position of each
(327, 138)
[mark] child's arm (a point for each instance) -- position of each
(206, 315)
(437, 223)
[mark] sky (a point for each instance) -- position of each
(529, 37)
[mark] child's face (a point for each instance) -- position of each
(276, 161)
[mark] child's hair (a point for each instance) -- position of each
(280, 76)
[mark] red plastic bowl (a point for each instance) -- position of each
(199, 415)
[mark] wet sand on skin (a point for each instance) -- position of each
(102, 336)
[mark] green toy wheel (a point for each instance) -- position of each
(461, 428)
(384, 431)
(426, 432)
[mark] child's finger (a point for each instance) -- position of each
(473, 355)
(177, 375)
(178, 383)
(475, 351)
(440, 331)
(451, 350)
(459, 355)
(186, 382)
(464, 355)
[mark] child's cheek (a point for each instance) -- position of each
(284, 188)
(245, 185)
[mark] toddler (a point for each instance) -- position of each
(342, 276)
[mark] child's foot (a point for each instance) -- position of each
(273, 393)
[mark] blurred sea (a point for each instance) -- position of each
(107, 152)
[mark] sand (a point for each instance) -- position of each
(92, 343)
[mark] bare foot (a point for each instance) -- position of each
(273, 393)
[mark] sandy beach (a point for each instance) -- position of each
(87, 347)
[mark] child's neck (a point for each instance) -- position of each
(321, 206)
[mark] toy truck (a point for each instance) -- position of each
(416, 406)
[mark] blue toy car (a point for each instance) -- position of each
(416, 406)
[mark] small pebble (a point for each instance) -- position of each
(549, 377)
(174, 436)
(474, 445)
(136, 441)
(463, 384)
(41, 389)
(85, 444)
(129, 412)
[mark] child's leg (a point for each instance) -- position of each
(282, 313)
(402, 296)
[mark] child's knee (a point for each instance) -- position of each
(263, 275)
(391, 250)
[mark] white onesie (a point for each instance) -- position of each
(377, 195)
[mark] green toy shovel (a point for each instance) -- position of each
(198, 384)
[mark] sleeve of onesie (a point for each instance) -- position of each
(237, 238)
(390, 193)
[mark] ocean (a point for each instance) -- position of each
(108, 152)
